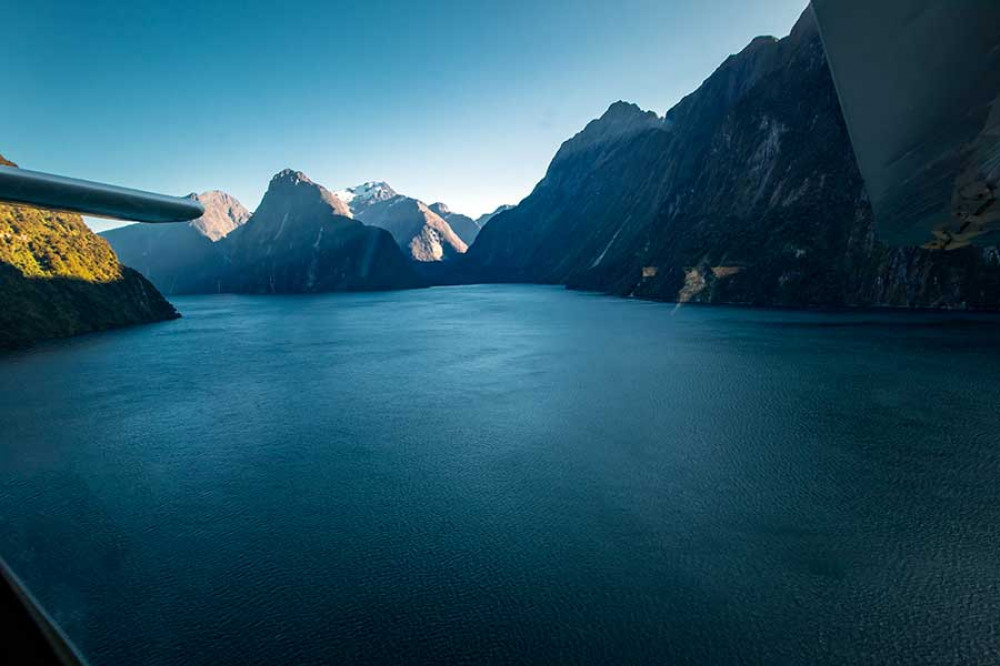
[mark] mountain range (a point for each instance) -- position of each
(421, 233)
(209, 254)
(302, 238)
(746, 191)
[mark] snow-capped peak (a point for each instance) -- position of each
(366, 192)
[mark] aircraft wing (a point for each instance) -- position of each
(919, 84)
(43, 190)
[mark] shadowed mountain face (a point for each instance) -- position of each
(182, 257)
(464, 226)
(746, 192)
(301, 239)
(58, 278)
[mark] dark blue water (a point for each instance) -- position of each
(510, 474)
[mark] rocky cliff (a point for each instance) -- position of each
(747, 191)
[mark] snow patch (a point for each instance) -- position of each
(366, 192)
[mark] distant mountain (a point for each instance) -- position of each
(302, 239)
(223, 214)
(464, 226)
(181, 257)
(483, 219)
(366, 194)
(421, 233)
(746, 191)
(58, 278)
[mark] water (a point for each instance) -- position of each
(507, 474)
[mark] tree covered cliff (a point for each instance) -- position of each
(58, 278)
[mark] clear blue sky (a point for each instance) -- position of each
(462, 102)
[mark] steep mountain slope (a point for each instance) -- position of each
(422, 234)
(463, 225)
(182, 257)
(301, 239)
(746, 192)
(58, 278)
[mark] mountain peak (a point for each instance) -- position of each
(620, 120)
(760, 40)
(440, 208)
(290, 177)
(287, 185)
(622, 110)
(370, 192)
(223, 214)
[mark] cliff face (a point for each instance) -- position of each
(746, 192)
(58, 278)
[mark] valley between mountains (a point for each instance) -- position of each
(745, 192)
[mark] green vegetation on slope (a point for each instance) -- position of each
(58, 278)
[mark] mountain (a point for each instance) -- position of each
(366, 194)
(58, 278)
(223, 214)
(421, 233)
(464, 226)
(302, 239)
(747, 191)
(483, 219)
(181, 258)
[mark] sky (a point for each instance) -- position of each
(461, 102)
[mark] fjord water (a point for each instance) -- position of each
(510, 473)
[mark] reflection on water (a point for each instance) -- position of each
(510, 473)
